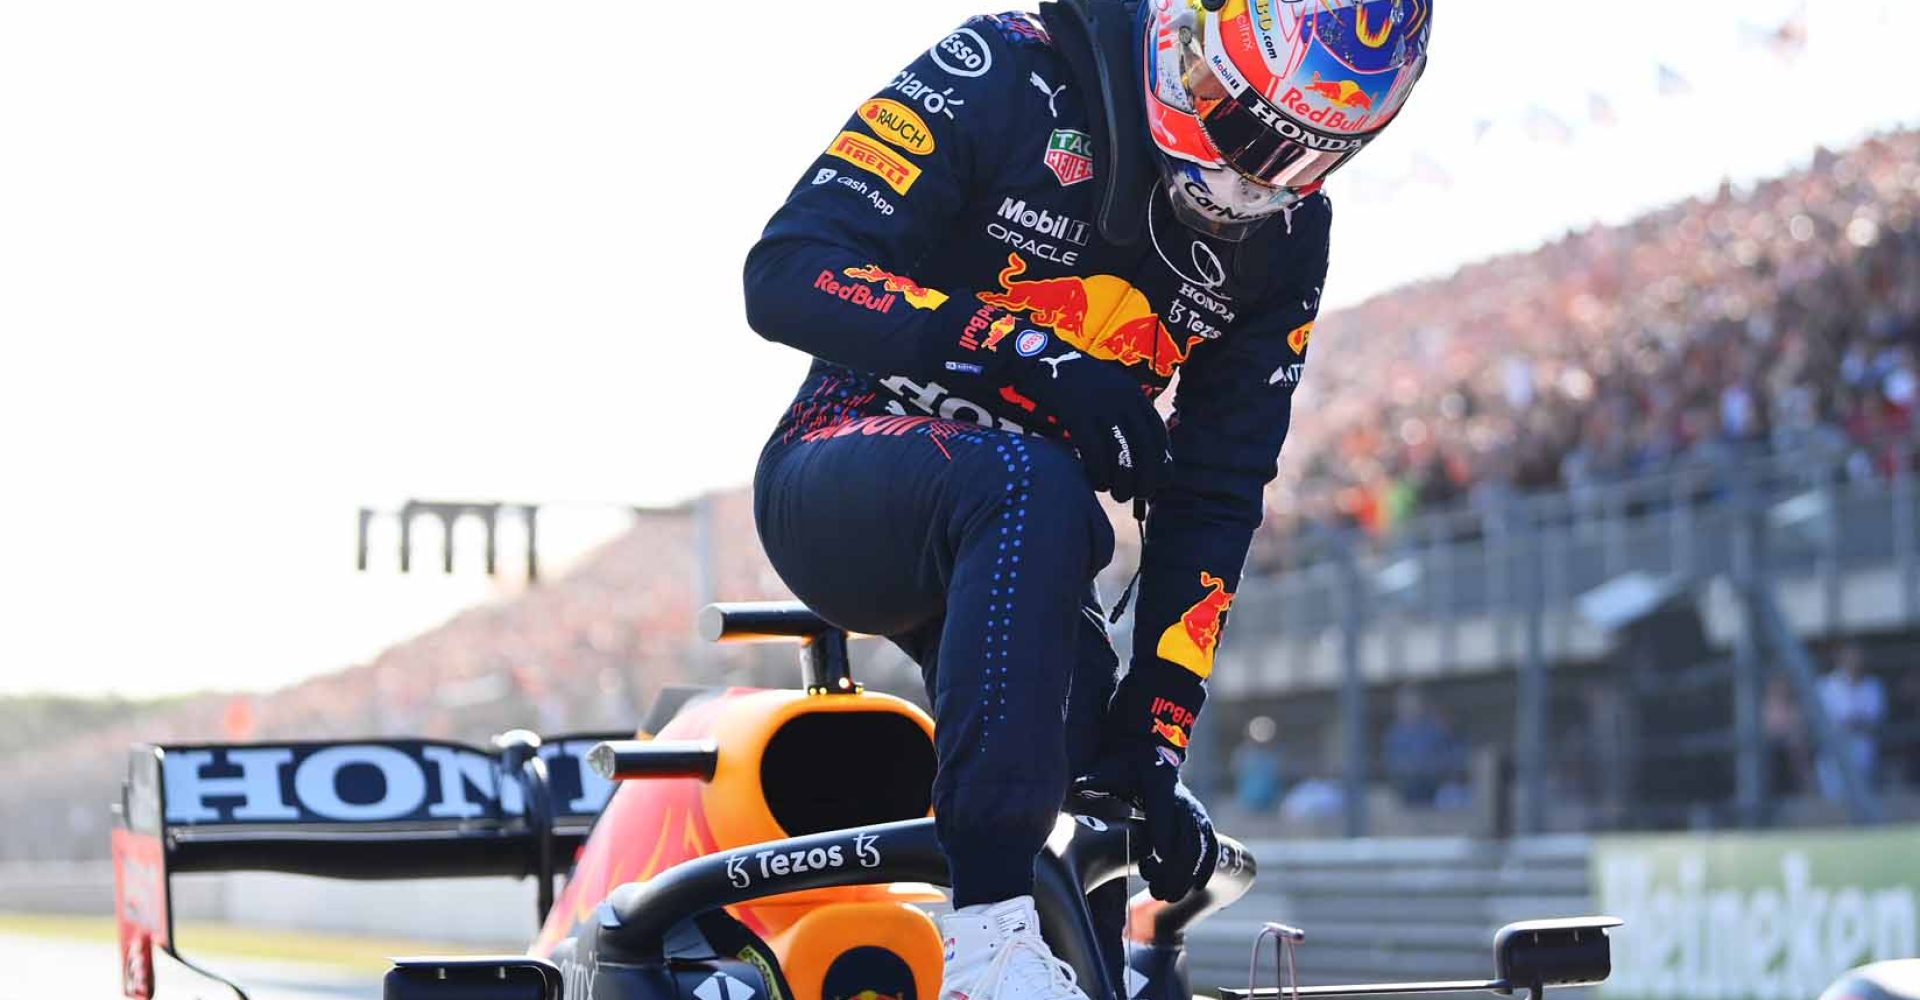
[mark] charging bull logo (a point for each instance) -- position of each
(1191, 641)
(1345, 93)
(1171, 733)
(1101, 315)
(916, 295)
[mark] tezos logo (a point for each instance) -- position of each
(963, 53)
(744, 869)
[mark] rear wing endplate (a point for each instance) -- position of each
(365, 809)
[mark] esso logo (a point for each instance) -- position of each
(963, 53)
(1030, 343)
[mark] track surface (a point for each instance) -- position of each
(43, 968)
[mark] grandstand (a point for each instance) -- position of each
(1740, 361)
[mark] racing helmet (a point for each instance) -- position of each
(1252, 103)
(1898, 979)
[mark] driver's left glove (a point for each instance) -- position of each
(1142, 746)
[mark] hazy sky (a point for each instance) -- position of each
(264, 263)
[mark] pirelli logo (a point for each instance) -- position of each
(875, 158)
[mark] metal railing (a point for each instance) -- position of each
(1764, 550)
(1446, 566)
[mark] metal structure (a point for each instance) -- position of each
(1771, 548)
(449, 513)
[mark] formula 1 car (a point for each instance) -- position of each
(747, 845)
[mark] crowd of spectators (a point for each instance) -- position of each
(1787, 313)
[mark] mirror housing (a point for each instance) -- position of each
(509, 977)
(1532, 955)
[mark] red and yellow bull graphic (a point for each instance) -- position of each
(1192, 641)
(1101, 315)
(1300, 337)
(1346, 93)
(875, 158)
(898, 124)
(1171, 723)
(914, 293)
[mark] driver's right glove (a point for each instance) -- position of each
(1108, 418)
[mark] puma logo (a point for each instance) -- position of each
(1055, 363)
(1053, 93)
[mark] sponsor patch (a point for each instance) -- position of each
(898, 124)
(936, 102)
(875, 158)
(1192, 641)
(916, 294)
(963, 53)
(1029, 343)
(1070, 156)
(1300, 337)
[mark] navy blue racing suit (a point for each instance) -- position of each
(942, 244)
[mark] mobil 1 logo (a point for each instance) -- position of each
(1038, 232)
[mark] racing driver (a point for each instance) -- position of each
(997, 264)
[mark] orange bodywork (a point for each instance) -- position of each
(651, 825)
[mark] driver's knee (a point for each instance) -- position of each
(1035, 500)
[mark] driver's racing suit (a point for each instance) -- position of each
(936, 257)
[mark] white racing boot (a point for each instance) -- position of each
(994, 952)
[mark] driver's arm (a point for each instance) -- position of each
(888, 187)
(1231, 415)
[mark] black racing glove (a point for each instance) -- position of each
(1142, 748)
(1108, 418)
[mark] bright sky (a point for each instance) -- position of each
(263, 264)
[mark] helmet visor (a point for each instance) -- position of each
(1253, 136)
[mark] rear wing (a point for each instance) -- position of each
(359, 809)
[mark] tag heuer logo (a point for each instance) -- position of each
(1070, 156)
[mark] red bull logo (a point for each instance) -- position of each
(1100, 315)
(1350, 107)
(1173, 734)
(1300, 337)
(913, 292)
(1345, 93)
(987, 320)
(1192, 641)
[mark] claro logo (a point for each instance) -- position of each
(897, 123)
(364, 783)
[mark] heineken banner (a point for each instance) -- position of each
(1762, 916)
